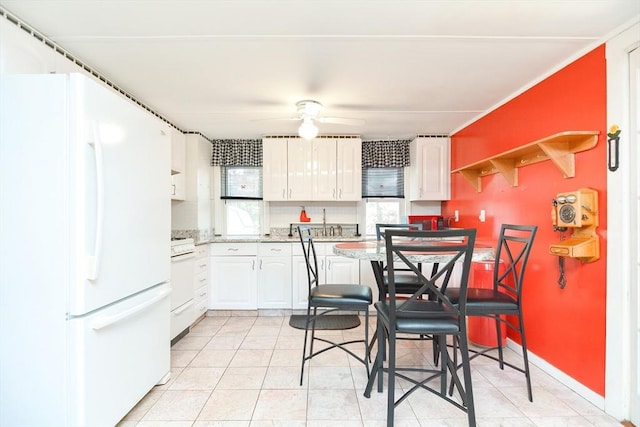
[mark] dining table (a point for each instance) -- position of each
(375, 252)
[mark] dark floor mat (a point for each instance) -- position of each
(331, 321)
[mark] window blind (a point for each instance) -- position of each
(383, 182)
(241, 182)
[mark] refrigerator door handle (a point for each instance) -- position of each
(105, 321)
(93, 261)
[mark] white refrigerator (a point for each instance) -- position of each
(84, 252)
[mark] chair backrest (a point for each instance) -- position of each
(512, 254)
(406, 247)
(380, 228)
(309, 252)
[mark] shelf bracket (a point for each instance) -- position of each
(507, 169)
(473, 177)
(560, 155)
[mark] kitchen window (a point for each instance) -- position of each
(241, 182)
(383, 191)
(241, 191)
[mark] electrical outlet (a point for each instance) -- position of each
(456, 215)
(482, 216)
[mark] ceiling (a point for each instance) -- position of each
(224, 67)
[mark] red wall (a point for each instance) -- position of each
(565, 327)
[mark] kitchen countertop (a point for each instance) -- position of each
(282, 239)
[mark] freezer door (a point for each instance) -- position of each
(122, 211)
(117, 355)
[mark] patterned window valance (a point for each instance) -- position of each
(385, 154)
(236, 152)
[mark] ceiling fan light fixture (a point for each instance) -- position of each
(307, 129)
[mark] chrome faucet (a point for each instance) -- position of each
(324, 222)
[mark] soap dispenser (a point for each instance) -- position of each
(303, 215)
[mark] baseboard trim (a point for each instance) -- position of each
(585, 392)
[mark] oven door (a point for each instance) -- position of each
(182, 308)
(182, 269)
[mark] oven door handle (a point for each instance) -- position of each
(183, 256)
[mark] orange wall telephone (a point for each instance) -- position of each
(578, 211)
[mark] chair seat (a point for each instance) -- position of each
(404, 278)
(434, 319)
(341, 296)
(481, 301)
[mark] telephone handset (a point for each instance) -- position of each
(578, 211)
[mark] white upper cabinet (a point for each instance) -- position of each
(299, 165)
(430, 170)
(274, 169)
(349, 169)
(323, 169)
(178, 164)
(323, 165)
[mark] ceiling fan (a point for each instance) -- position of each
(309, 113)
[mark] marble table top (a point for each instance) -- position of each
(374, 250)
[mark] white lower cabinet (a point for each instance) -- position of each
(250, 276)
(274, 275)
(234, 277)
(201, 281)
(333, 269)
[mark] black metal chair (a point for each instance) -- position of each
(329, 299)
(406, 281)
(414, 315)
(505, 297)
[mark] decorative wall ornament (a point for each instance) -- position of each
(613, 141)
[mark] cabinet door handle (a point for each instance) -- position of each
(284, 193)
(340, 195)
(232, 249)
(253, 264)
(289, 193)
(260, 267)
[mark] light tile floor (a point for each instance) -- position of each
(244, 372)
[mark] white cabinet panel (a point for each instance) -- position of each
(274, 282)
(430, 170)
(333, 269)
(349, 169)
(299, 169)
(324, 169)
(233, 283)
(340, 270)
(178, 165)
(234, 278)
(201, 282)
(274, 169)
(274, 275)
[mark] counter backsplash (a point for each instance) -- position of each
(329, 232)
(198, 236)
